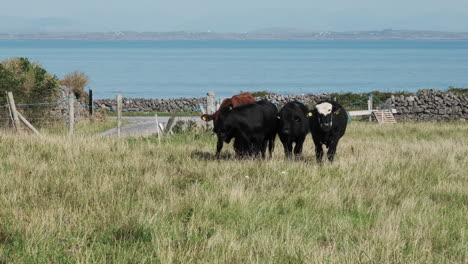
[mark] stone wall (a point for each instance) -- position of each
(192, 104)
(425, 105)
(308, 99)
(60, 111)
(430, 105)
(152, 105)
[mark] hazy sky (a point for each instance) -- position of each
(233, 15)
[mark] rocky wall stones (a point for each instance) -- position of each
(430, 105)
(425, 105)
(192, 104)
(60, 111)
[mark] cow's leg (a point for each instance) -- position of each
(238, 148)
(271, 145)
(252, 149)
(332, 150)
(219, 147)
(258, 145)
(263, 148)
(298, 147)
(249, 147)
(288, 148)
(318, 152)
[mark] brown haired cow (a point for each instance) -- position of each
(235, 101)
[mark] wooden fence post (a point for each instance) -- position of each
(169, 123)
(14, 112)
(158, 128)
(26, 122)
(71, 115)
(210, 103)
(119, 114)
(202, 109)
(370, 106)
(91, 110)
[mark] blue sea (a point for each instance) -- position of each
(165, 69)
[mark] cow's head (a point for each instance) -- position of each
(325, 115)
(221, 127)
(292, 119)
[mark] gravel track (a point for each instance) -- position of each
(144, 125)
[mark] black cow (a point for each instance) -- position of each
(293, 126)
(253, 127)
(327, 125)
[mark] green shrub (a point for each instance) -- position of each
(458, 91)
(184, 126)
(260, 93)
(77, 81)
(30, 83)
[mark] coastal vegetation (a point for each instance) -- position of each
(458, 91)
(260, 93)
(30, 83)
(77, 81)
(395, 194)
(33, 87)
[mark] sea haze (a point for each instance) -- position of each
(163, 69)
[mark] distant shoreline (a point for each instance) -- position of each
(279, 36)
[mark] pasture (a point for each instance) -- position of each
(395, 194)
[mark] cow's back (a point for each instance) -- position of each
(242, 99)
(235, 101)
(254, 117)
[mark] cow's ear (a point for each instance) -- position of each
(207, 117)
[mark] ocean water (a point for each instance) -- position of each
(164, 69)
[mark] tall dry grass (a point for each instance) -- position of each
(396, 194)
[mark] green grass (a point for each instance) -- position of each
(458, 91)
(396, 194)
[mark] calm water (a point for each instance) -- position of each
(191, 68)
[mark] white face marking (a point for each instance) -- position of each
(324, 108)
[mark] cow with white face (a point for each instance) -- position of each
(328, 122)
(324, 115)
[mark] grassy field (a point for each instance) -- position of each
(396, 194)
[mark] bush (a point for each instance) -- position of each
(77, 81)
(182, 126)
(458, 91)
(30, 83)
(260, 93)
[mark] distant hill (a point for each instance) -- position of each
(263, 34)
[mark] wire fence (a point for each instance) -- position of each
(29, 109)
(218, 102)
